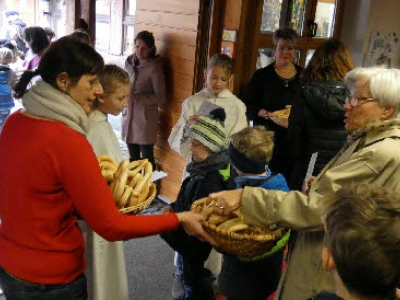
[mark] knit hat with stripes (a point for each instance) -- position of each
(209, 130)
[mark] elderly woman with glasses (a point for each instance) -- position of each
(371, 155)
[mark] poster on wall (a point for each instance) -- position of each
(381, 49)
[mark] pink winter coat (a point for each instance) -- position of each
(148, 90)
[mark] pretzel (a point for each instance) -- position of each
(107, 175)
(106, 165)
(104, 158)
(125, 197)
(148, 169)
(138, 168)
(129, 181)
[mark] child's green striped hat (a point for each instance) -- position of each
(209, 130)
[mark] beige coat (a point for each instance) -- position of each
(148, 91)
(372, 156)
(105, 270)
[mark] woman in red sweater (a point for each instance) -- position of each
(49, 177)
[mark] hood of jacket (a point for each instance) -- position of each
(208, 94)
(326, 98)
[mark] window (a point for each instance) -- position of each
(314, 20)
(103, 24)
(129, 22)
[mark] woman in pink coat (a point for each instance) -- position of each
(147, 92)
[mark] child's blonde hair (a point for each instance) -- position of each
(223, 61)
(6, 56)
(255, 143)
(111, 76)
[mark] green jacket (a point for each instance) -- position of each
(371, 156)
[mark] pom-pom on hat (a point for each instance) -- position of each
(209, 130)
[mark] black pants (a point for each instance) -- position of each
(137, 152)
(197, 280)
(18, 289)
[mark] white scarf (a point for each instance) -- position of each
(45, 101)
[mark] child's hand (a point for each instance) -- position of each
(166, 210)
(192, 119)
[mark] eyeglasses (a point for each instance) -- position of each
(355, 101)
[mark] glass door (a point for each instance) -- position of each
(314, 20)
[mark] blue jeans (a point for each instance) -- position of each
(4, 113)
(18, 289)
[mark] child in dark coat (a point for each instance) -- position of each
(250, 151)
(209, 172)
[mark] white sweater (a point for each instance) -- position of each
(102, 137)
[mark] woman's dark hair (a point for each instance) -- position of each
(148, 38)
(49, 32)
(286, 33)
(81, 36)
(64, 55)
(83, 25)
(330, 61)
(37, 38)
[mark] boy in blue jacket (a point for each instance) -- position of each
(250, 151)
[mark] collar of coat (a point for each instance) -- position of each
(207, 93)
(376, 131)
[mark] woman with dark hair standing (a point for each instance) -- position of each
(50, 178)
(316, 120)
(147, 92)
(37, 41)
(273, 88)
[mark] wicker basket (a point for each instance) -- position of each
(249, 243)
(134, 210)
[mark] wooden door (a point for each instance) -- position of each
(314, 20)
(174, 24)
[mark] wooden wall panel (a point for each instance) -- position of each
(167, 19)
(167, 34)
(174, 107)
(174, 24)
(176, 50)
(188, 7)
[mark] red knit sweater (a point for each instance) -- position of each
(49, 176)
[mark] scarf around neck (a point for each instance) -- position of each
(45, 101)
(214, 162)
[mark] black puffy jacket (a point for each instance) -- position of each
(316, 124)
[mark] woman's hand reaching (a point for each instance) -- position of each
(226, 201)
(191, 223)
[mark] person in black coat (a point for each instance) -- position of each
(209, 172)
(273, 88)
(316, 120)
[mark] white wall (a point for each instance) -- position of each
(361, 17)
